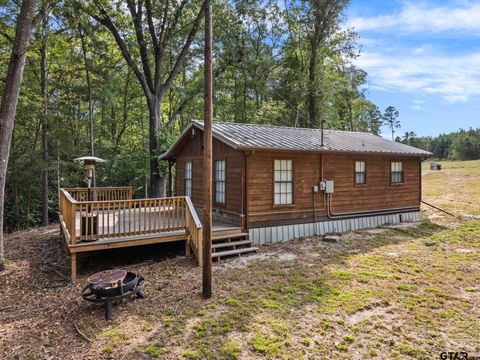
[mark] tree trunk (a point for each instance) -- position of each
(144, 146)
(157, 181)
(28, 190)
(312, 89)
(8, 106)
(16, 200)
(152, 85)
(350, 115)
(44, 91)
(244, 103)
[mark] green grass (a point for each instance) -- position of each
(416, 285)
(337, 303)
(155, 352)
(456, 188)
(232, 302)
(107, 349)
(115, 335)
(192, 355)
(231, 350)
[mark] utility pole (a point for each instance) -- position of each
(207, 159)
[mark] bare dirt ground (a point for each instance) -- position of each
(407, 292)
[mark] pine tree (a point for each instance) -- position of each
(390, 118)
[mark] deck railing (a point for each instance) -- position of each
(67, 215)
(111, 217)
(102, 194)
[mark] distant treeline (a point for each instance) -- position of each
(459, 145)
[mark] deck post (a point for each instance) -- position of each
(187, 247)
(73, 223)
(169, 190)
(73, 258)
(200, 247)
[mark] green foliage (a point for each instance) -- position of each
(262, 51)
(458, 145)
(369, 119)
(390, 118)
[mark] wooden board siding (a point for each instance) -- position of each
(260, 183)
(377, 194)
(193, 151)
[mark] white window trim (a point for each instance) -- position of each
(394, 172)
(282, 182)
(361, 170)
(187, 181)
(220, 181)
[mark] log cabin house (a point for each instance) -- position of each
(270, 184)
(280, 183)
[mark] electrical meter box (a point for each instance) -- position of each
(322, 185)
(329, 187)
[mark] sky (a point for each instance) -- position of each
(423, 57)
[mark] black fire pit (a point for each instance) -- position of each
(112, 285)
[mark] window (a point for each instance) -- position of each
(283, 182)
(187, 190)
(220, 181)
(360, 173)
(397, 172)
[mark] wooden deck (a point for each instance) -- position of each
(115, 220)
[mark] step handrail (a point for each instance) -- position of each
(194, 228)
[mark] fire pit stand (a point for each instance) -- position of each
(112, 285)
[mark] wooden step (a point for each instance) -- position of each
(231, 243)
(233, 252)
(226, 235)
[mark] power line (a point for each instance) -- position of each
(293, 107)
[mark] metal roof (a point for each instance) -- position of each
(282, 138)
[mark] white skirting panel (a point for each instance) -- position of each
(273, 234)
